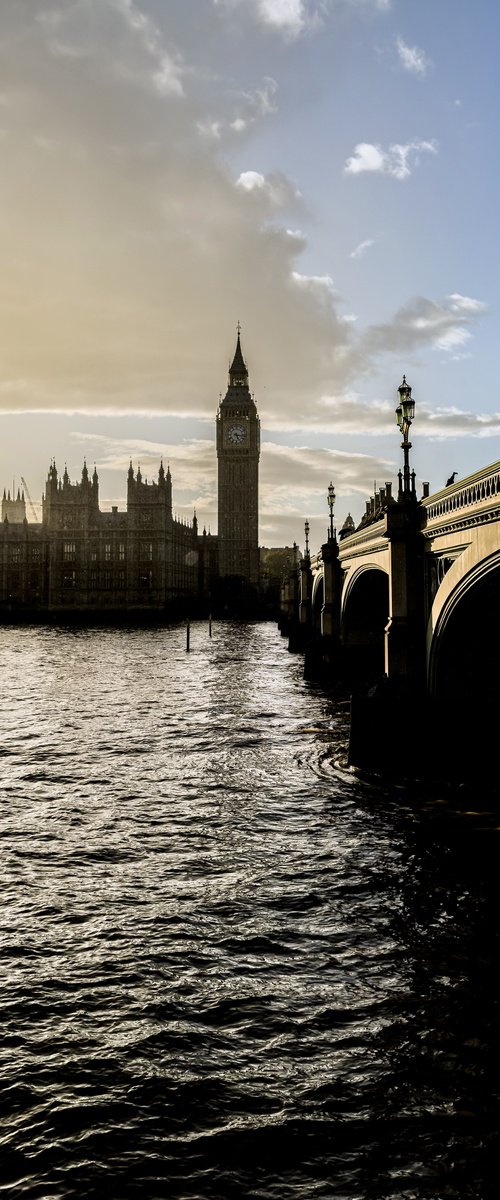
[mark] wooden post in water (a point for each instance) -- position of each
(187, 634)
(210, 624)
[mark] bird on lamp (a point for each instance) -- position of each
(451, 479)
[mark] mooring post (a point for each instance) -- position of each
(187, 634)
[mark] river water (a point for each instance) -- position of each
(230, 968)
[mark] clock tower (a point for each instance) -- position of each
(238, 450)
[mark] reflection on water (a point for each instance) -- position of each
(230, 968)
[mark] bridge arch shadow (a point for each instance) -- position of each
(365, 613)
(464, 678)
(318, 599)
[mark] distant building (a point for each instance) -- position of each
(81, 560)
(14, 510)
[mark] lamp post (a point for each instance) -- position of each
(306, 531)
(405, 413)
(331, 502)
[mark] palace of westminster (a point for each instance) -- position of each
(143, 560)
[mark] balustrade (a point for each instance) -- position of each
(466, 494)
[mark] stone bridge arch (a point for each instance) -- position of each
(464, 666)
(478, 559)
(364, 616)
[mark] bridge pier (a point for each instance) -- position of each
(289, 604)
(330, 613)
(323, 653)
(394, 704)
(301, 628)
(405, 629)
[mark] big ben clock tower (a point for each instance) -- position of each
(238, 450)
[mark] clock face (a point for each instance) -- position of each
(236, 434)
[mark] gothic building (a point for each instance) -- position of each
(238, 450)
(81, 560)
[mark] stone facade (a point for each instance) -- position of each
(238, 451)
(79, 558)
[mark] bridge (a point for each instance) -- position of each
(405, 610)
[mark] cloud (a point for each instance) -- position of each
(362, 248)
(422, 322)
(412, 59)
(290, 17)
(398, 160)
(130, 250)
(275, 188)
(452, 338)
(248, 107)
(144, 251)
(466, 304)
(319, 286)
(80, 31)
(261, 101)
(294, 476)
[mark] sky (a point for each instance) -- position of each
(323, 171)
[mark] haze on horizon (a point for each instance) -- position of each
(320, 170)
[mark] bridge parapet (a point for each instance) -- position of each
(476, 499)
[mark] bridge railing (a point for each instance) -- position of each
(482, 488)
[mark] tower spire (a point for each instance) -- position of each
(238, 373)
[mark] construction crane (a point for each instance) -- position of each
(30, 502)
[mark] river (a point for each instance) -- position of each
(230, 968)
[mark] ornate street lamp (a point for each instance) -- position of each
(331, 502)
(405, 413)
(306, 531)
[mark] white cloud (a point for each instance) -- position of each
(362, 248)
(249, 180)
(318, 285)
(397, 161)
(466, 304)
(290, 17)
(453, 338)
(412, 58)
(366, 157)
(275, 188)
(293, 17)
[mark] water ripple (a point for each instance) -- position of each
(229, 968)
